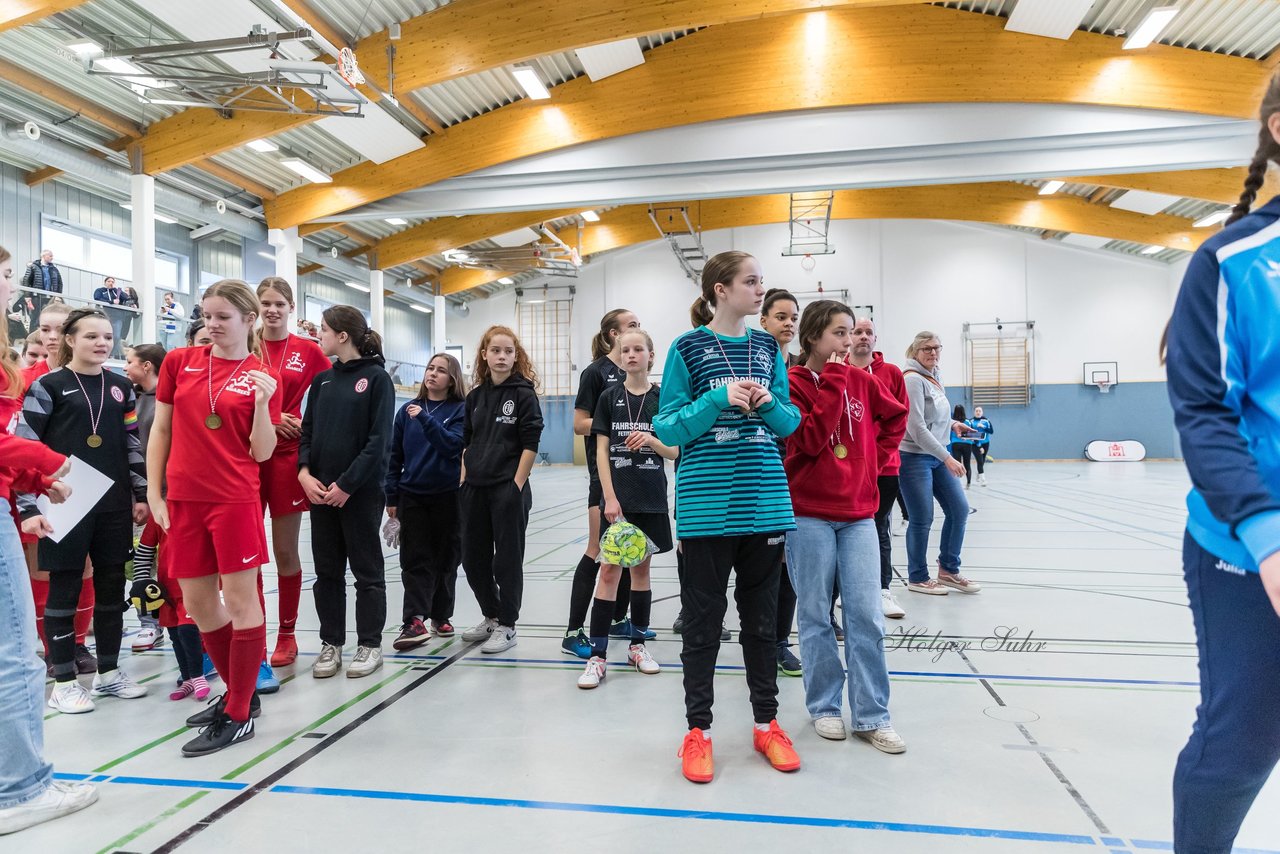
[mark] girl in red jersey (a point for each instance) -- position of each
(216, 411)
(296, 361)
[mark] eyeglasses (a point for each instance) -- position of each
(937, 348)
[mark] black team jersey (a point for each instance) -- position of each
(596, 377)
(639, 477)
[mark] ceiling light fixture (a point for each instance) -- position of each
(85, 47)
(506, 280)
(1151, 27)
(306, 170)
(530, 82)
(266, 146)
(1051, 187)
(590, 216)
(1152, 249)
(419, 307)
(395, 220)
(358, 287)
(1212, 219)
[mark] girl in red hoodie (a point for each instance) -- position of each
(849, 426)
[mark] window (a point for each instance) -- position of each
(169, 272)
(67, 246)
(110, 258)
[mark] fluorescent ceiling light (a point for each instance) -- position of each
(306, 170)
(84, 47)
(170, 102)
(1052, 187)
(590, 216)
(506, 280)
(358, 287)
(1212, 219)
(263, 145)
(1152, 249)
(395, 220)
(530, 82)
(136, 77)
(419, 307)
(270, 256)
(1151, 27)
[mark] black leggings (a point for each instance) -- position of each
(108, 618)
(189, 650)
(786, 606)
(980, 457)
(962, 452)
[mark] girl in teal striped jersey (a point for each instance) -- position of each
(725, 402)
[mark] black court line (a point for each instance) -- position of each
(271, 779)
(1053, 766)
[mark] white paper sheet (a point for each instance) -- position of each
(88, 485)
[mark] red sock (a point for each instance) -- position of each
(84, 610)
(217, 644)
(247, 649)
(290, 594)
(40, 592)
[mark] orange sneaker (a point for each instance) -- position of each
(775, 744)
(286, 651)
(698, 765)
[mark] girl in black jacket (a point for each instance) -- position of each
(500, 441)
(340, 466)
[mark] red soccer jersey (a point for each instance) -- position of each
(296, 361)
(211, 465)
(33, 373)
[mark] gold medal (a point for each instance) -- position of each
(213, 422)
(840, 451)
(94, 441)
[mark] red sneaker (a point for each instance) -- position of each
(286, 651)
(698, 765)
(775, 744)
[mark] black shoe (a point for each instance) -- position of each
(838, 629)
(788, 664)
(218, 706)
(85, 662)
(678, 626)
(221, 733)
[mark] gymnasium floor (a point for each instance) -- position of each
(1065, 747)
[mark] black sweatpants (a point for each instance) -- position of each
(494, 520)
(430, 551)
(104, 538)
(350, 534)
(757, 561)
(962, 452)
(786, 608)
(888, 484)
(980, 456)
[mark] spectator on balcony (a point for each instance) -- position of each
(41, 275)
(117, 313)
(170, 320)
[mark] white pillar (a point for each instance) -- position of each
(287, 244)
(377, 303)
(438, 339)
(142, 195)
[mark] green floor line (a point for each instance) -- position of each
(167, 814)
(143, 749)
(150, 678)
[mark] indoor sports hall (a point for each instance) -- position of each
(955, 483)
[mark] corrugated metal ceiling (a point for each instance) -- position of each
(359, 18)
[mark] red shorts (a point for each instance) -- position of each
(205, 538)
(173, 612)
(280, 490)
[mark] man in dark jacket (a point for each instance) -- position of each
(41, 275)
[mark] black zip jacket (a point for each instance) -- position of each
(502, 421)
(346, 430)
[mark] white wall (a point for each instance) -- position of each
(1088, 305)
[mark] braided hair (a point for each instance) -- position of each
(1268, 151)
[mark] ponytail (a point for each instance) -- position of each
(720, 269)
(603, 342)
(700, 313)
(371, 344)
(348, 319)
(1256, 176)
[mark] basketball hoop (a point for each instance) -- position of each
(1104, 386)
(807, 263)
(348, 68)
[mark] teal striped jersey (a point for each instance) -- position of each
(730, 478)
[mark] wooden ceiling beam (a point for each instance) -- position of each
(432, 238)
(16, 13)
(1002, 203)
(38, 85)
(1210, 185)
(909, 54)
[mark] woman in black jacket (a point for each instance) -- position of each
(340, 467)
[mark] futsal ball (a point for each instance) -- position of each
(623, 544)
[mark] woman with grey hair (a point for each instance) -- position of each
(928, 471)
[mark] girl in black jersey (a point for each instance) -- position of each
(604, 372)
(88, 412)
(633, 480)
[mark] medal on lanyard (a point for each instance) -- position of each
(214, 420)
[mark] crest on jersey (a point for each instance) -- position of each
(361, 385)
(117, 394)
(508, 407)
(856, 409)
(295, 363)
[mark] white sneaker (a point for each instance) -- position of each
(982, 480)
(367, 660)
(930, 587)
(890, 606)
(328, 662)
(148, 637)
(117, 683)
(480, 631)
(501, 639)
(830, 727)
(956, 581)
(594, 674)
(70, 698)
(638, 654)
(884, 739)
(54, 802)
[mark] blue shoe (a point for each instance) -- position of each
(267, 681)
(576, 644)
(624, 629)
(210, 672)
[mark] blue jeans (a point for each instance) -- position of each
(1235, 743)
(922, 478)
(818, 553)
(24, 773)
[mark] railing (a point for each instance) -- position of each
(23, 316)
(407, 376)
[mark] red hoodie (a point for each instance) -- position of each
(25, 465)
(891, 375)
(823, 486)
